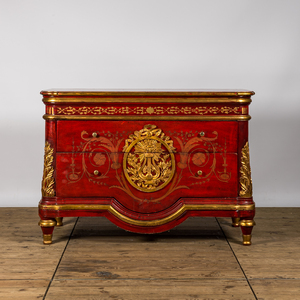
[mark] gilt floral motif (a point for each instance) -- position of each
(48, 180)
(147, 110)
(245, 171)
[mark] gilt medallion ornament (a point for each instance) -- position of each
(149, 162)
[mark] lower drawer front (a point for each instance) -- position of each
(146, 183)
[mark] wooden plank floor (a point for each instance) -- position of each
(203, 258)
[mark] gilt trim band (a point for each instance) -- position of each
(178, 213)
(149, 118)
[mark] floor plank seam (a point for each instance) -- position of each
(237, 259)
(152, 279)
(61, 257)
(274, 278)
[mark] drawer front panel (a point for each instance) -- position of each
(86, 136)
(126, 178)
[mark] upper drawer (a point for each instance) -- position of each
(181, 136)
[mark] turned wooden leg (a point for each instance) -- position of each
(59, 221)
(247, 226)
(235, 222)
(47, 228)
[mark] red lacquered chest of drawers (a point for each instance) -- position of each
(147, 160)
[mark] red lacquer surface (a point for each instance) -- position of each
(89, 165)
(70, 134)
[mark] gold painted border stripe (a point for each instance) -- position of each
(148, 118)
(55, 100)
(184, 208)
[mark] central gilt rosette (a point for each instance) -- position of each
(149, 162)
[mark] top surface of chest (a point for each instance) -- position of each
(157, 93)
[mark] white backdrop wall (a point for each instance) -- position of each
(152, 44)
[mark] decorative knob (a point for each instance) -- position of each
(202, 133)
(199, 173)
(96, 172)
(94, 134)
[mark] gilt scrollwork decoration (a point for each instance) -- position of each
(194, 151)
(245, 173)
(48, 180)
(96, 150)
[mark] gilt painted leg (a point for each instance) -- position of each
(59, 221)
(235, 222)
(47, 228)
(246, 226)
